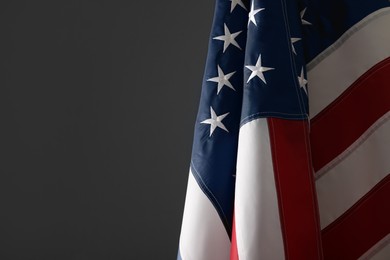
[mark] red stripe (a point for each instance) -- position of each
(233, 248)
(361, 227)
(350, 115)
(295, 188)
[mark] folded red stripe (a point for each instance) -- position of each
(361, 227)
(350, 115)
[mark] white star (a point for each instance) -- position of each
(252, 14)
(222, 79)
(228, 38)
(235, 3)
(258, 70)
(302, 81)
(294, 40)
(215, 121)
(303, 20)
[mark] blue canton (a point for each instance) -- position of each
(256, 67)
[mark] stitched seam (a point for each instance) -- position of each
(302, 115)
(355, 145)
(349, 33)
(279, 190)
(267, 113)
(313, 194)
(316, 215)
(353, 88)
(301, 106)
(213, 200)
(292, 60)
(361, 203)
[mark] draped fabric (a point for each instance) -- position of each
(291, 151)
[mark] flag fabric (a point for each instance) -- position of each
(291, 150)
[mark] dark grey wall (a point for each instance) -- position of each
(97, 105)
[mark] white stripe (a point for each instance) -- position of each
(380, 251)
(363, 46)
(203, 236)
(258, 230)
(344, 184)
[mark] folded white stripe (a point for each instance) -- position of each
(258, 230)
(203, 236)
(358, 172)
(361, 47)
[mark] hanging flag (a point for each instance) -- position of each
(291, 151)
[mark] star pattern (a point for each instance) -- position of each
(228, 38)
(222, 79)
(258, 70)
(252, 14)
(304, 22)
(215, 121)
(252, 72)
(302, 81)
(294, 40)
(235, 3)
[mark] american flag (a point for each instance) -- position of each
(291, 151)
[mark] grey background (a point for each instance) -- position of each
(98, 101)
